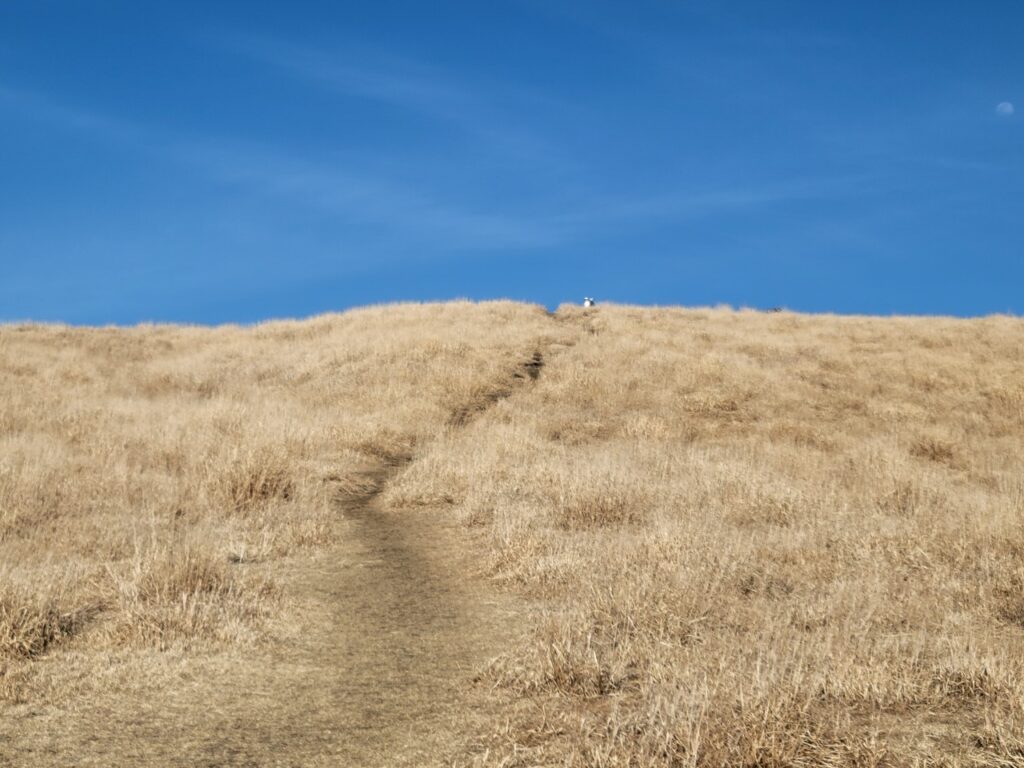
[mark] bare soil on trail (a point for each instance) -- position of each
(394, 627)
(393, 624)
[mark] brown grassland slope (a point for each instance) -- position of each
(745, 539)
(161, 489)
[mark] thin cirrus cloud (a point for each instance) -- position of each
(415, 86)
(425, 89)
(42, 108)
(270, 174)
(1004, 108)
(404, 212)
(358, 198)
(367, 199)
(391, 80)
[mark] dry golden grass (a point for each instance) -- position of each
(141, 469)
(752, 539)
(761, 539)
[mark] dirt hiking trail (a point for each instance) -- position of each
(394, 624)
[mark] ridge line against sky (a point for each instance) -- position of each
(663, 156)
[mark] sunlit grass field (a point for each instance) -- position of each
(738, 538)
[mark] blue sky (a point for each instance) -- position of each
(212, 162)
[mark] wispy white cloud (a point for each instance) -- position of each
(419, 215)
(357, 197)
(399, 209)
(434, 93)
(412, 214)
(392, 80)
(955, 163)
(707, 201)
(418, 87)
(1004, 108)
(40, 107)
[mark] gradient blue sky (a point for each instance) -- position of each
(225, 161)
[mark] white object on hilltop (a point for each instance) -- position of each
(588, 302)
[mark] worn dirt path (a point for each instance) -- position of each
(392, 628)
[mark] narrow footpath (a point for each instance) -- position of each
(393, 627)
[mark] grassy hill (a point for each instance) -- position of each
(728, 538)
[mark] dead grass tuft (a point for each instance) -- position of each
(258, 478)
(188, 593)
(934, 449)
(599, 507)
(30, 623)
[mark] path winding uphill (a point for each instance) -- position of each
(393, 628)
